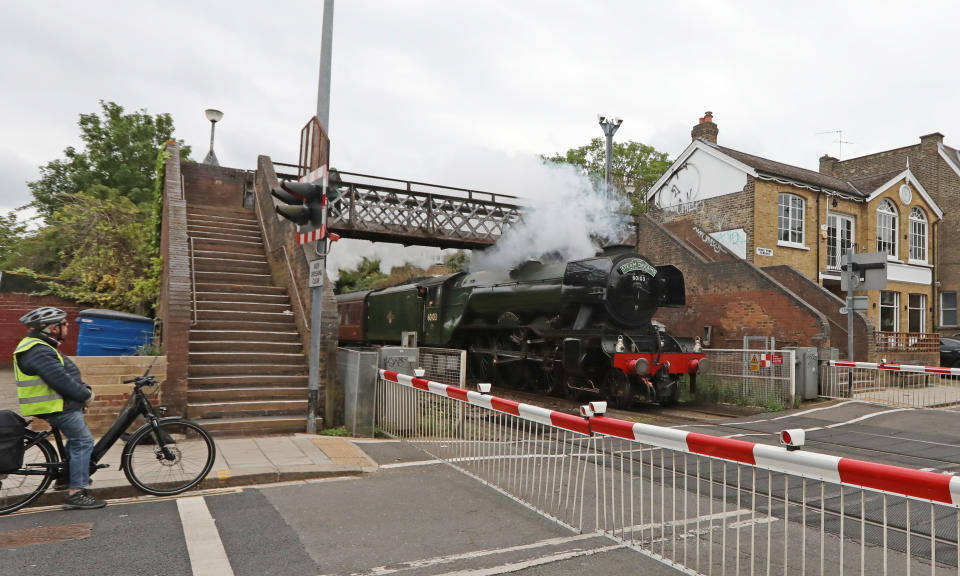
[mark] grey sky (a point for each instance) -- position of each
(458, 93)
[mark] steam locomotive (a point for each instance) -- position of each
(578, 328)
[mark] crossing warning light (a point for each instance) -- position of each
(302, 203)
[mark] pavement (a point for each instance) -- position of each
(247, 461)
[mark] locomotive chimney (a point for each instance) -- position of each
(705, 129)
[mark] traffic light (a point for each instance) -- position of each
(302, 203)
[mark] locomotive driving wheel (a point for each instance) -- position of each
(480, 362)
(617, 388)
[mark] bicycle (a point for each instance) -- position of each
(167, 455)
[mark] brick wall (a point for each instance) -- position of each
(829, 305)
(105, 375)
(285, 257)
(213, 185)
(173, 309)
(13, 306)
(734, 297)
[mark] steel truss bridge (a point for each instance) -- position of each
(415, 213)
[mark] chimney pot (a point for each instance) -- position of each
(705, 129)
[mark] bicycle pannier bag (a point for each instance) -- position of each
(12, 428)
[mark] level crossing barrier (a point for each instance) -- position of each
(892, 384)
(702, 504)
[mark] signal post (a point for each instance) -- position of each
(305, 204)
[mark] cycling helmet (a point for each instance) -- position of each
(42, 317)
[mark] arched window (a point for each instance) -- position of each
(790, 219)
(918, 235)
(887, 227)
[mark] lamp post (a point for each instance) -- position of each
(213, 116)
(609, 127)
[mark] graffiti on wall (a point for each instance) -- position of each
(734, 240)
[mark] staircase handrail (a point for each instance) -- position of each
(193, 284)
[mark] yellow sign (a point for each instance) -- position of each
(754, 363)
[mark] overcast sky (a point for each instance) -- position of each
(463, 92)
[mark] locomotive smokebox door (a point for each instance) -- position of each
(572, 353)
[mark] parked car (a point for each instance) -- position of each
(950, 351)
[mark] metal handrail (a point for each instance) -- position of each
(193, 282)
(493, 195)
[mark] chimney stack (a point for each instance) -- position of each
(827, 164)
(705, 129)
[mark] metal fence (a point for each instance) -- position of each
(445, 365)
(891, 384)
(750, 377)
(703, 504)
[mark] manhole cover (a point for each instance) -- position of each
(44, 535)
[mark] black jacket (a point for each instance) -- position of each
(64, 378)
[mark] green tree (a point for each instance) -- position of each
(364, 277)
(458, 261)
(120, 152)
(635, 166)
(110, 260)
(11, 234)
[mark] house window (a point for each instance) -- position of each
(790, 219)
(917, 313)
(948, 308)
(918, 235)
(839, 239)
(887, 228)
(889, 311)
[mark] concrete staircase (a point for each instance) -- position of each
(247, 372)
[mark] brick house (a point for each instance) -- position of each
(937, 167)
(773, 214)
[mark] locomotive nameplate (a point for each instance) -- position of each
(635, 265)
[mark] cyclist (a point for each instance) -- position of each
(49, 387)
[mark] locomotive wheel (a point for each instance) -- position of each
(546, 381)
(480, 361)
(617, 388)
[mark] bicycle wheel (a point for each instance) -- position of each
(178, 462)
(18, 489)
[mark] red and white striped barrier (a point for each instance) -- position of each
(896, 367)
(884, 477)
(525, 411)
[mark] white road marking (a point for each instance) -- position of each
(518, 566)
(207, 556)
(399, 567)
(828, 426)
(410, 464)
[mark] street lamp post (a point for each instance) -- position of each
(213, 116)
(609, 127)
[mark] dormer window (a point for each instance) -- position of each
(887, 228)
(790, 219)
(918, 235)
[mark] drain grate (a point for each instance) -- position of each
(44, 535)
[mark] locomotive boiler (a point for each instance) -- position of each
(578, 327)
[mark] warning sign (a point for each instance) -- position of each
(777, 359)
(754, 363)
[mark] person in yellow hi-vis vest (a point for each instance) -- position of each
(49, 387)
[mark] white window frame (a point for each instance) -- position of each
(922, 308)
(918, 236)
(896, 311)
(887, 224)
(944, 307)
(790, 231)
(838, 245)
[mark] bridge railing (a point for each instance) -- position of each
(699, 503)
